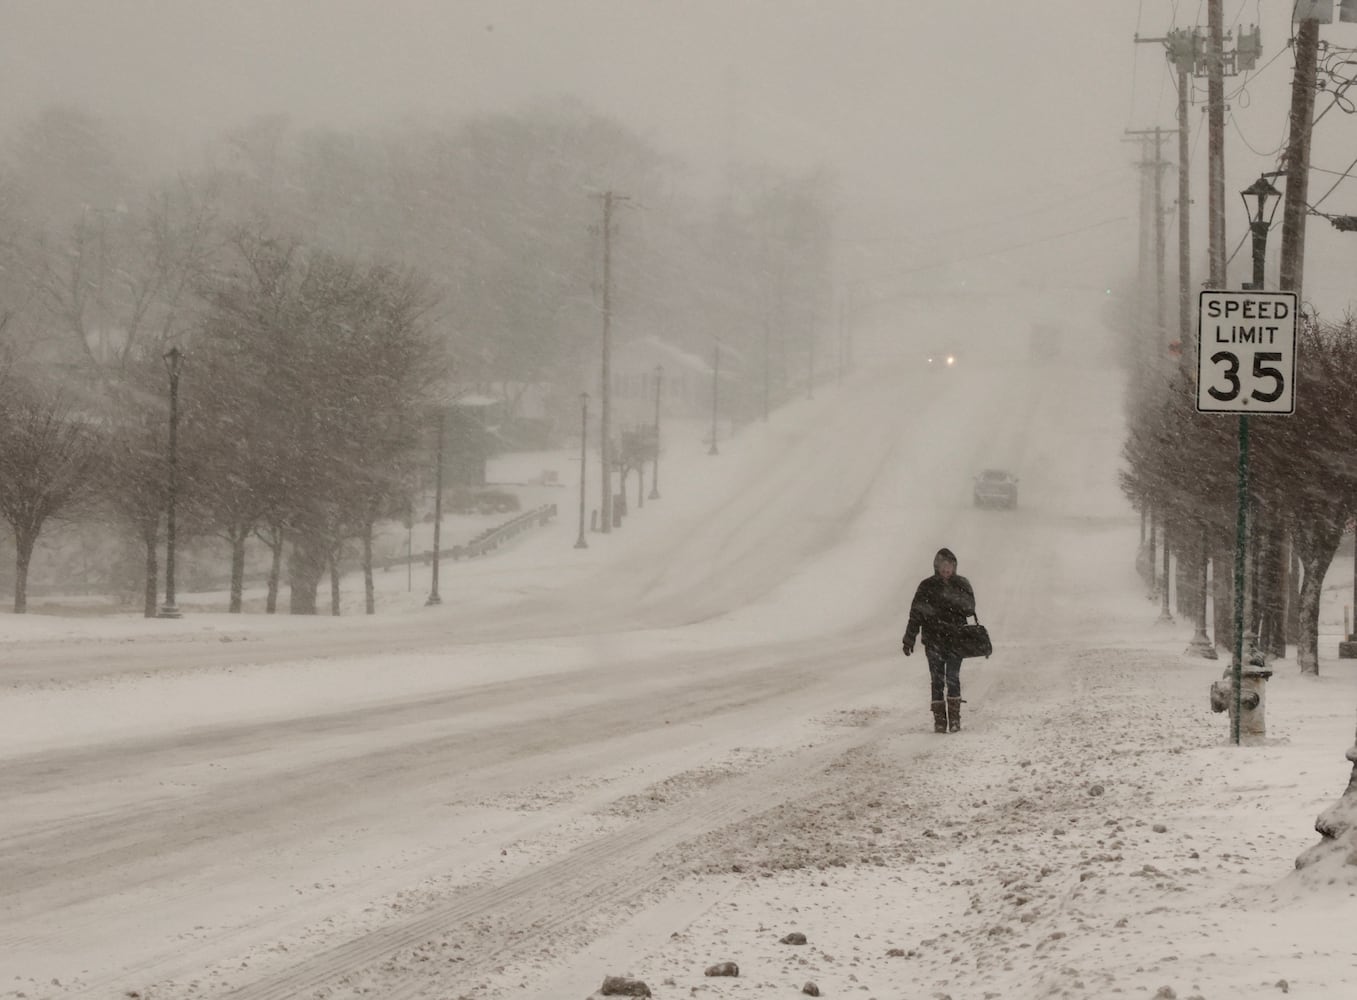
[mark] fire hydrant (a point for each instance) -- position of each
(1252, 691)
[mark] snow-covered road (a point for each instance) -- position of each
(411, 804)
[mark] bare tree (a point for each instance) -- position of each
(50, 459)
(311, 360)
(120, 282)
(1307, 459)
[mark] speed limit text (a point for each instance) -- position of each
(1236, 334)
(1248, 308)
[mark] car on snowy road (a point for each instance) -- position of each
(942, 360)
(996, 488)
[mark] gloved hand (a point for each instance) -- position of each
(907, 645)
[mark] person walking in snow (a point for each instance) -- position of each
(941, 605)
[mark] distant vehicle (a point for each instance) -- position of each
(996, 488)
(942, 359)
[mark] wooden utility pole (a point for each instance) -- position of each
(1160, 321)
(605, 389)
(1297, 161)
(1200, 561)
(1191, 58)
(1295, 208)
(1215, 125)
(1221, 599)
(1155, 170)
(1144, 353)
(1184, 227)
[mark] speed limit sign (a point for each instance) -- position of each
(1246, 352)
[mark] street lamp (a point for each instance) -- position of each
(410, 548)
(437, 509)
(1256, 197)
(173, 359)
(580, 542)
(655, 469)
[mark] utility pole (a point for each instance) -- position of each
(1273, 583)
(1215, 144)
(1184, 225)
(655, 469)
(434, 598)
(1156, 167)
(605, 416)
(1297, 161)
(581, 542)
(1295, 204)
(1200, 644)
(1244, 57)
(174, 359)
(1182, 49)
(1198, 55)
(1160, 322)
(1145, 554)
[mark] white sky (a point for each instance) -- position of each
(479, 798)
(988, 133)
(955, 129)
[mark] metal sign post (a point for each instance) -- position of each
(1246, 364)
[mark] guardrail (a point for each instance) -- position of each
(493, 538)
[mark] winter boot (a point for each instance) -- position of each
(953, 715)
(939, 717)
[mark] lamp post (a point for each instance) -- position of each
(174, 358)
(1347, 648)
(437, 510)
(655, 469)
(1261, 191)
(580, 542)
(1260, 220)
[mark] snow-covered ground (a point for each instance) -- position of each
(677, 746)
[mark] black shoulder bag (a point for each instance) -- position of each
(972, 640)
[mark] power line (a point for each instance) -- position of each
(1346, 173)
(1244, 139)
(1333, 173)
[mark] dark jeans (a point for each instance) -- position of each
(943, 666)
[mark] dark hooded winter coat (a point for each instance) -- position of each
(940, 607)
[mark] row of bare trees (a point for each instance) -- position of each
(305, 383)
(1183, 467)
(262, 262)
(50, 461)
